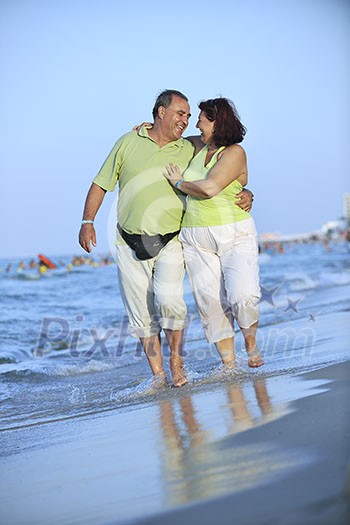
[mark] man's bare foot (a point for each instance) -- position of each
(177, 371)
(254, 358)
(160, 380)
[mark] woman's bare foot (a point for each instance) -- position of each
(177, 371)
(225, 347)
(229, 365)
(254, 358)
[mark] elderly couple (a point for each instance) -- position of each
(181, 202)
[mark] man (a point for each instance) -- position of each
(149, 255)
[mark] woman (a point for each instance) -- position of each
(219, 239)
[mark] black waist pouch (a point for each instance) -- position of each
(146, 246)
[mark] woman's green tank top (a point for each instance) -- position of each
(217, 210)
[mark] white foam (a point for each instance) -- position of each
(77, 369)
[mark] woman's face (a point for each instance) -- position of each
(206, 127)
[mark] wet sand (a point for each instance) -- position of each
(263, 450)
(317, 493)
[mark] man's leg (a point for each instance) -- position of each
(175, 338)
(169, 274)
(136, 288)
(152, 349)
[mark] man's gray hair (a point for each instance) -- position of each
(164, 99)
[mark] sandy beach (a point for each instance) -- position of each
(263, 450)
(314, 488)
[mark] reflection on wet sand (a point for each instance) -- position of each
(198, 464)
(242, 418)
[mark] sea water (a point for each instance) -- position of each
(65, 350)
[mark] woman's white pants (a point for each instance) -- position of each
(222, 265)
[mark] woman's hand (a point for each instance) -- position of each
(173, 173)
(148, 125)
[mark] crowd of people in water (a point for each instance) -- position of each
(43, 265)
(273, 246)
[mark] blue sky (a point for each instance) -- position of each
(78, 74)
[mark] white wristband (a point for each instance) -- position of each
(87, 222)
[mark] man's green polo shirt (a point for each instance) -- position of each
(147, 203)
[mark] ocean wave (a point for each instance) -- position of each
(303, 281)
(25, 276)
(92, 366)
(264, 258)
(149, 388)
(5, 393)
(153, 388)
(300, 281)
(335, 279)
(32, 368)
(6, 360)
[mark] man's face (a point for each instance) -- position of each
(175, 118)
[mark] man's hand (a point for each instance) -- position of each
(244, 200)
(87, 236)
(148, 125)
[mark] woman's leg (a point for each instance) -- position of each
(241, 274)
(204, 271)
(254, 358)
(226, 349)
